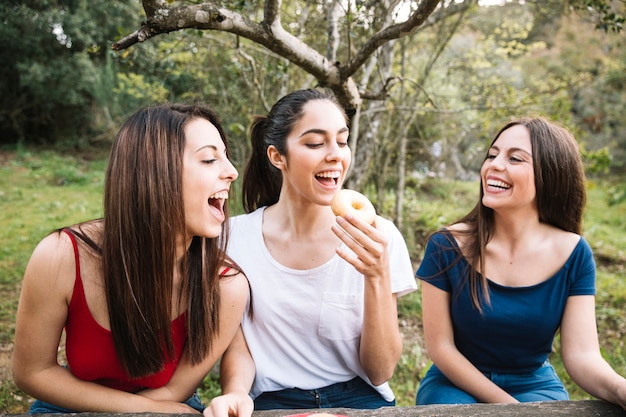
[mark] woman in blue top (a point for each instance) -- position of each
(500, 282)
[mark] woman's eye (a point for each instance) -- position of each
(491, 156)
(314, 145)
(208, 161)
(342, 144)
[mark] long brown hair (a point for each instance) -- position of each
(143, 221)
(560, 188)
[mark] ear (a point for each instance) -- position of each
(275, 157)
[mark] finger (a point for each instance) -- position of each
(366, 249)
(245, 409)
(370, 230)
(216, 409)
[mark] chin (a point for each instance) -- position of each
(209, 233)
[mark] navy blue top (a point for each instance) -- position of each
(514, 334)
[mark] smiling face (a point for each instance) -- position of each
(507, 175)
(207, 175)
(318, 156)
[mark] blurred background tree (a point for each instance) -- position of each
(430, 97)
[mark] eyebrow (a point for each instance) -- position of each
(322, 131)
(512, 149)
(206, 146)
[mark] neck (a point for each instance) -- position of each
(517, 229)
(300, 219)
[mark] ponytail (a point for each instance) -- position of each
(261, 180)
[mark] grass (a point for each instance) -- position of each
(41, 190)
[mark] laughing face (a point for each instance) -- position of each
(207, 175)
(507, 174)
(317, 156)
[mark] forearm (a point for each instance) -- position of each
(183, 383)
(381, 341)
(594, 375)
(237, 372)
(463, 374)
(57, 385)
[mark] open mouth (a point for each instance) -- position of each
(328, 177)
(217, 200)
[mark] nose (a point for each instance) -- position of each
(335, 152)
(230, 172)
(498, 162)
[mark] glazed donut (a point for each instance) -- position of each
(346, 202)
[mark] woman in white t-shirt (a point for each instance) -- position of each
(324, 332)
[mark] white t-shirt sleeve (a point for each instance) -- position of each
(402, 277)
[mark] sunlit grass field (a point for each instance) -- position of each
(42, 190)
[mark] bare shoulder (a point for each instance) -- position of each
(563, 241)
(234, 285)
(52, 267)
(459, 232)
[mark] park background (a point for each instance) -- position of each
(431, 100)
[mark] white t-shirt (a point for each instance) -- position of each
(306, 324)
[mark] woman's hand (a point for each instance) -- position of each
(368, 244)
(234, 404)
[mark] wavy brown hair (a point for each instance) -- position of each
(143, 221)
(560, 188)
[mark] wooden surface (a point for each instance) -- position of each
(592, 408)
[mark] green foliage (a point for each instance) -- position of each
(210, 387)
(54, 56)
(134, 91)
(597, 162)
(428, 207)
(12, 400)
(608, 17)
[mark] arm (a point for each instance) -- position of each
(439, 335)
(237, 373)
(43, 307)
(381, 341)
(234, 292)
(581, 352)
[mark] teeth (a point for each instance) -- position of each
(222, 195)
(497, 183)
(329, 174)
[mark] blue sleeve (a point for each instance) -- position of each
(584, 268)
(440, 254)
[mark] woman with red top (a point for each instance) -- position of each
(148, 300)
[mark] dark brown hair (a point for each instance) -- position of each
(262, 181)
(143, 221)
(560, 194)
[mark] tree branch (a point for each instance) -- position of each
(208, 16)
(271, 12)
(415, 20)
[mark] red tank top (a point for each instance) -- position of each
(90, 351)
